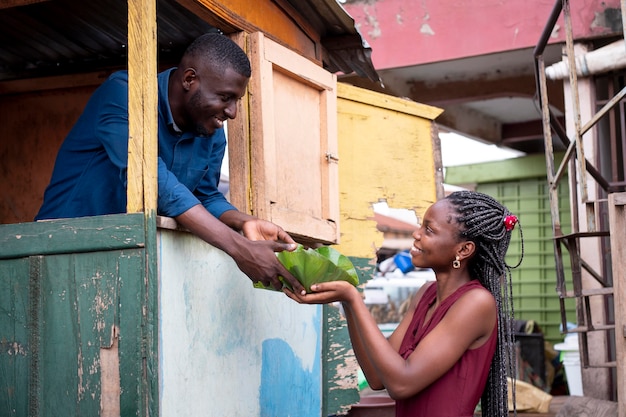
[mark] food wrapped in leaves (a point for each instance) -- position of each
(312, 266)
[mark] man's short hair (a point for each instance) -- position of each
(219, 52)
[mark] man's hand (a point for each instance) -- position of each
(257, 229)
(257, 259)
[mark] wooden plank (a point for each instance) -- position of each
(276, 19)
(116, 231)
(87, 79)
(437, 158)
(239, 145)
(15, 360)
(285, 60)
(387, 102)
(322, 230)
(586, 406)
(5, 4)
(142, 106)
(142, 196)
(340, 367)
(137, 357)
(617, 223)
(261, 125)
(35, 323)
(77, 301)
(330, 163)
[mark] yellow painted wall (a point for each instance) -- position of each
(386, 152)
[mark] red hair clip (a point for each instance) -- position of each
(509, 222)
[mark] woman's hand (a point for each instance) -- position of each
(325, 293)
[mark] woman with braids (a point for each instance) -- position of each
(454, 345)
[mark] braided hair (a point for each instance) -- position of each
(488, 224)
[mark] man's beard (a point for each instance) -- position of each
(198, 129)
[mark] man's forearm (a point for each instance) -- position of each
(235, 219)
(210, 229)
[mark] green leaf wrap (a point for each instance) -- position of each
(312, 266)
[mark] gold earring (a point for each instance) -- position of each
(456, 264)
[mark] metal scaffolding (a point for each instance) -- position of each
(579, 170)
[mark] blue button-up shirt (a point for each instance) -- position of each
(89, 176)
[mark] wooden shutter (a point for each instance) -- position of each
(294, 162)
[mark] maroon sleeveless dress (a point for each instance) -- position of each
(458, 391)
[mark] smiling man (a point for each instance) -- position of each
(195, 99)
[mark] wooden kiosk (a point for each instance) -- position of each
(124, 314)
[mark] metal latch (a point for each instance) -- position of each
(331, 158)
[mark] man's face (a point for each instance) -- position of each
(213, 99)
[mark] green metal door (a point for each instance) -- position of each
(74, 339)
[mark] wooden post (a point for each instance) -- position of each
(142, 177)
(617, 225)
(142, 107)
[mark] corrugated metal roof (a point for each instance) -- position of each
(68, 36)
(347, 50)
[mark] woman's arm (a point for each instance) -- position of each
(398, 334)
(469, 322)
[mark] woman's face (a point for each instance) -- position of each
(436, 240)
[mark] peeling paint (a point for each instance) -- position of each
(13, 348)
(555, 31)
(346, 372)
(375, 31)
(80, 388)
(609, 18)
(426, 29)
(110, 377)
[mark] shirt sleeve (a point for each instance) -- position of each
(193, 176)
(111, 124)
(207, 189)
(174, 198)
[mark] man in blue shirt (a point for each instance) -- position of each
(195, 99)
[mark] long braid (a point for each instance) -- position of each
(482, 221)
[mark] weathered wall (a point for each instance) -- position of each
(226, 348)
(32, 129)
(386, 151)
(434, 30)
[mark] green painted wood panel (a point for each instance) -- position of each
(61, 313)
(80, 305)
(115, 231)
(340, 368)
(14, 337)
